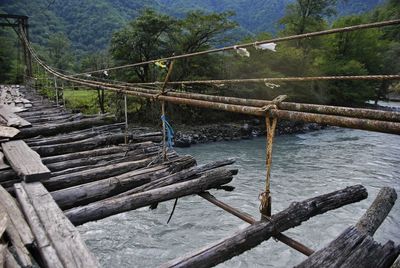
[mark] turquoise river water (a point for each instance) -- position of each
(304, 165)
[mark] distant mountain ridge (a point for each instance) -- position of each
(89, 24)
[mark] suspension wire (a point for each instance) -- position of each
(277, 79)
(256, 43)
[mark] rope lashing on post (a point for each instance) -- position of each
(169, 131)
(270, 122)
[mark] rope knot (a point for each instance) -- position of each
(274, 104)
(265, 200)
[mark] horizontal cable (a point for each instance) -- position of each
(278, 79)
(256, 43)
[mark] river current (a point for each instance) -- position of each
(304, 165)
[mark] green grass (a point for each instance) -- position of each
(83, 100)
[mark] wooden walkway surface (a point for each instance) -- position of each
(55, 160)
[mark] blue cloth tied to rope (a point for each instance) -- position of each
(170, 131)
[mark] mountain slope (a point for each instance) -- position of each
(89, 24)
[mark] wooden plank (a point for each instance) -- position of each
(3, 165)
(46, 249)
(3, 221)
(353, 248)
(65, 238)
(8, 132)
(16, 217)
(13, 119)
(19, 247)
(10, 261)
(3, 248)
(26, 162)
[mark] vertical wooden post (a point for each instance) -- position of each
(56, 89)
(170, 67)
(62, 90)
(126, 118)
(265, 197)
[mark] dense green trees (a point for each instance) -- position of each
(152, 34)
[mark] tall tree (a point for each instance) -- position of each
(59, 51)
(147, 37)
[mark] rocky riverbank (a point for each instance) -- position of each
(185, 136)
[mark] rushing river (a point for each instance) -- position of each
(304, 165)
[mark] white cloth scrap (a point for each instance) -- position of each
(242, 51)
(269, 46)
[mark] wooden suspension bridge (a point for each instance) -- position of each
(66, 169)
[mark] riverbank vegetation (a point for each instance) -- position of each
(153, 34)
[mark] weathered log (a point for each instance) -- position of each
(102, 209)
(85, 176)
(130, 158)
(61, 234)
(61, 139)
(105, 159)
(377, 212)
(58, 118)
(54, 129)
(94, 191)
(249, 219)
(26, 163)
(84, 154)
(180, 176)
(97, 129)
(92, 143)
(396, 263)
(63, 161)
(260, 231)
(353, 248)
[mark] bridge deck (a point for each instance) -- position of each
(95, 174)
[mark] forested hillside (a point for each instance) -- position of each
(89, 24)
(80, 36)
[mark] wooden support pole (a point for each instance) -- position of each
(126, 118)
(258, 232)
(249, 219)
(56, 90)
(170, 68)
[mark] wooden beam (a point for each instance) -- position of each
(249, 219)
(353, 248)
(105, 208)
(26, 162)
(260, 231)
